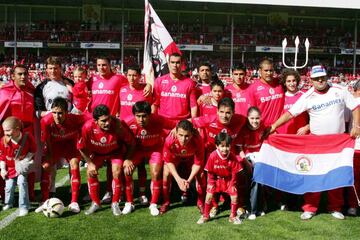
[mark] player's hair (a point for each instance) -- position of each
(265, 61)
(141, 107)
(53, 60)
(207, 64)
(226, 102)
(12, 122)
(80, 70)
(253, 109)
(175, 54)
(241, 66)
(60, 102)
(217, 83)
(186, 125)
(100, 110)
(19, 66)
(289, 72)
(221, 137)
(134, 68)
(103, 58)
(356, 85)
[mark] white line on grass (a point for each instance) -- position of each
(9, 219)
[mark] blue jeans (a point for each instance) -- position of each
(10, 186)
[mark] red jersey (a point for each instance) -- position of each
(80, 96)
(9, 150)
(66, 133)
(269, 98)
(174, 153)
(240, 98)
(250, 140)
(208, 109)
(106, 91)
(152, 136)
(17, 102)
(213, 126)
(128, 97)
(203, 89)
(224, 167)
(174, 98)
(292, 126)
(100, 142)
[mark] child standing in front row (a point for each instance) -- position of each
(222, 168)
(11, 143)
(80, 91)
(249, 141)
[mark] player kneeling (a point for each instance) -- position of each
(105, 138)
(222, 168)
(148, 131)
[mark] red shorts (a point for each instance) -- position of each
(64, 150)
(222, 185)
(153, 157)
(99, 160)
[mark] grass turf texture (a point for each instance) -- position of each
(178, 223)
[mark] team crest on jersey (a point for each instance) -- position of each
(173, 88)
(129, 97)
(103, 140)
(238, 95)
(271, 91)
(224, 130)
(303, 164)
(101, 85)
(183, 151)
(143, 132)
(259, 88)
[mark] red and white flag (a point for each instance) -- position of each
(158, 45)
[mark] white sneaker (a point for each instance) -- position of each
(202, 220)
(213, 212)
(235, 220)
(93, 208)
(129, 207)
(115, 209)
(252, 216)
(338, 215)
(262, 214)
(283, 207)
(107, 198)
(154, 211)
(307, 215)
(352, 212)
(74, 207)
(23, 212)
(7, 207)
(40, 208)
(143, 200)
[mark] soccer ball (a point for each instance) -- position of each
(53, 208)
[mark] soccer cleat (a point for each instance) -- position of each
(154, 211)
(115, 209)
(40, 208)
(307, 215)
(242, 213)
(107, 198)
(213, 212)
(93, 208)
(164, 208)
(129, 207)
(338, 215)
(252, 216)
(74, 207)
(235, 220)
(7, 207)
(143, 200)
(352, 212)
(202, 220)
(23, 212)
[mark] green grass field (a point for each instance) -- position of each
(178, 223)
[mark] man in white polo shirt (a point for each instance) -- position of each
(325, 103)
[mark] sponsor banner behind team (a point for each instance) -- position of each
(99, 45)
(195, 47)
(24, 44)
(349, 51)
(274, 49)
